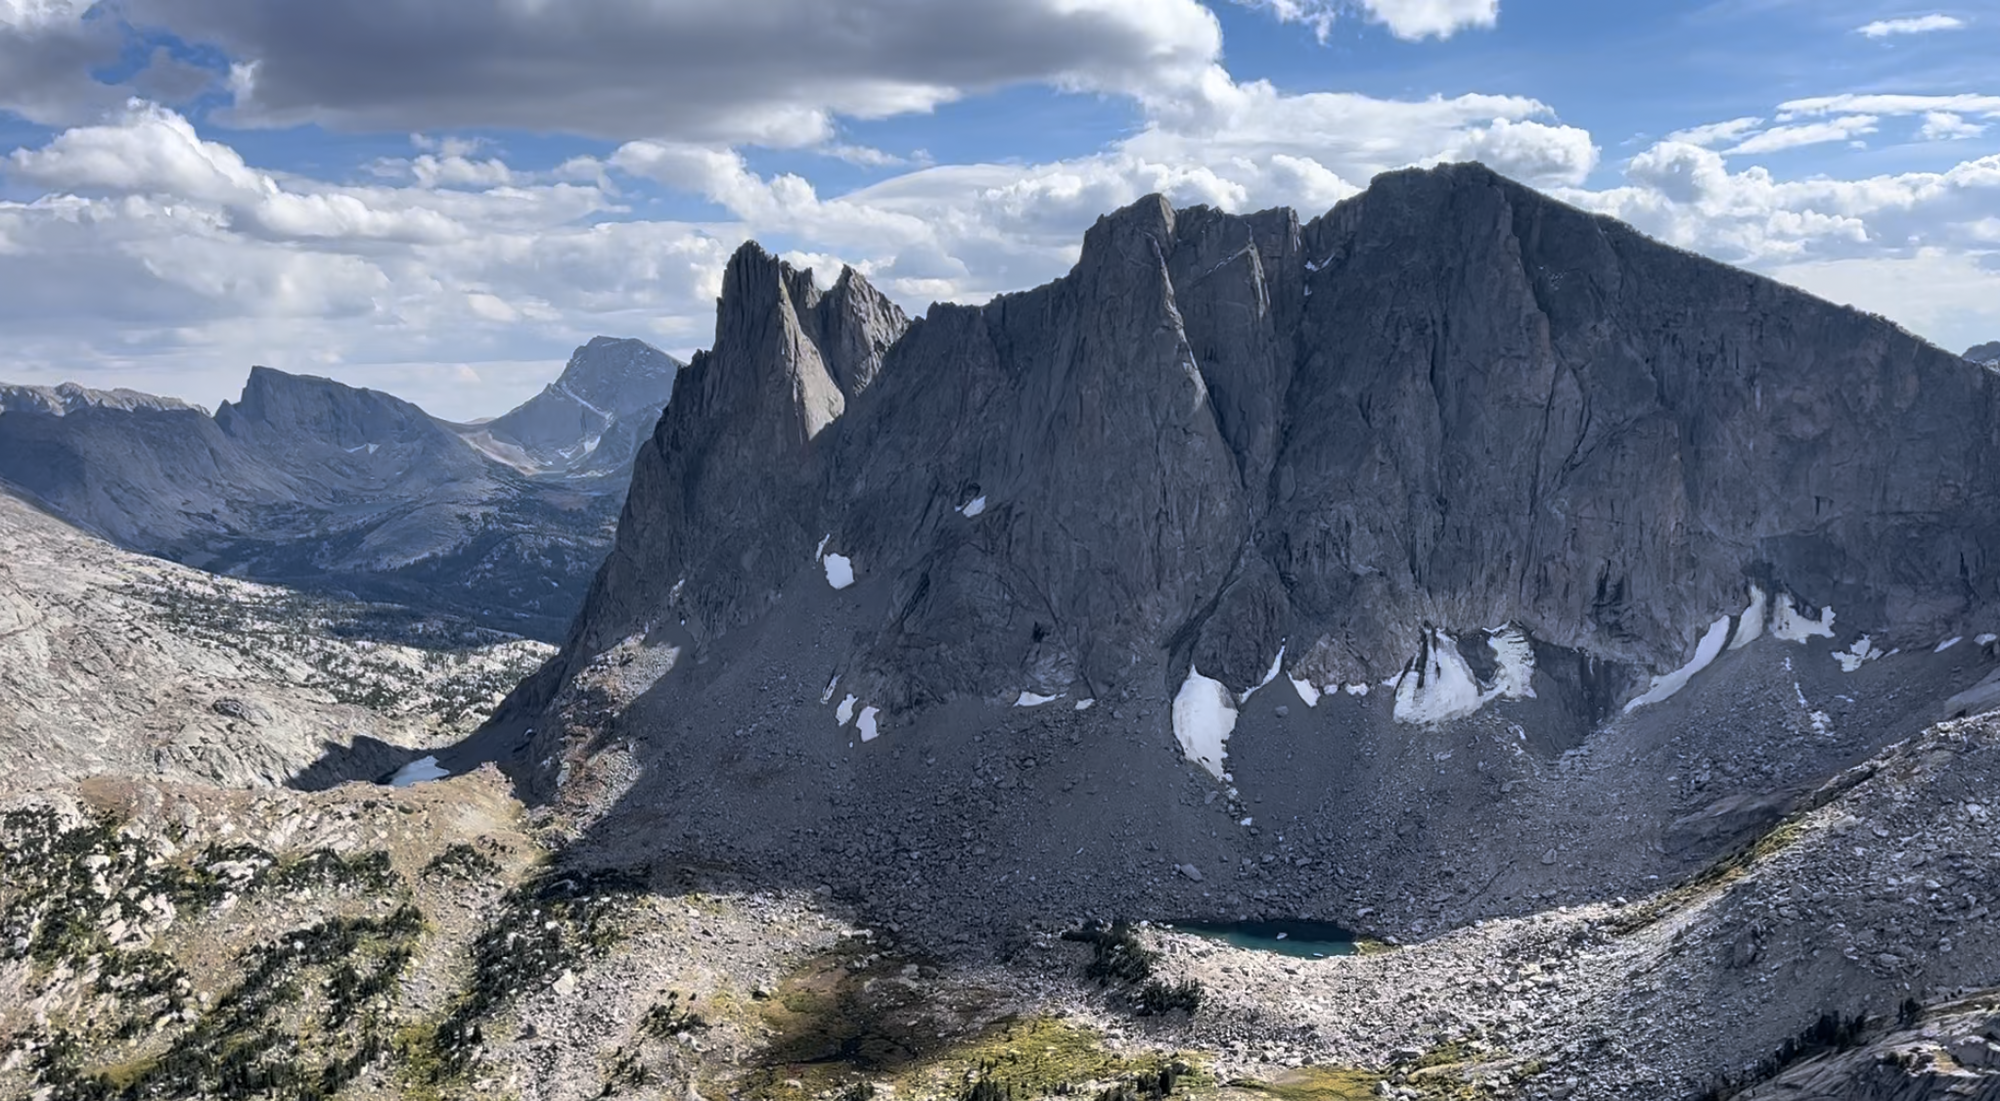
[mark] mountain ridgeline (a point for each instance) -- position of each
(1458, 481)
(312, 483)
(1451, 404)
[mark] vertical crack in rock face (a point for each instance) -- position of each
(1515, 462)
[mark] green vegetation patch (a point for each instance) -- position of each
(1315, 1084)
(853, 1023)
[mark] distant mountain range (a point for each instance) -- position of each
(589, 422)
(312, 483)
(1987, 354)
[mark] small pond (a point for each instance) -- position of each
(1303, 939)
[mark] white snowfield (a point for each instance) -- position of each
(1788, 624)
(1445, 688)
(1204, 717)
(420, 771)
(1863, 650)
(1705, 653)
(1307, 691)
(839, 571)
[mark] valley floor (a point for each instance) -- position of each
(162, 939)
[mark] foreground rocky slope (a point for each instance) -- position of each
(167, 939)
(310, 483)
(111, 662)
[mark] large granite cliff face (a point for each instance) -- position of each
(1463, 484)
(1451, 403)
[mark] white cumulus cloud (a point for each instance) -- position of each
(1407, 19)
(1946, 126)
(1920, 24)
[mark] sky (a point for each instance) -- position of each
(442, 198)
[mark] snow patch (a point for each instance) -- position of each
(423, 770)
(1439, 686)
(827, 696)
(1516, 675)
(1307, 692)
(839, 571)
(1031, 699)
(1270, 675)
(866, 723)
(1986, 640)
(1948, 644)
(1851, 658)
(1789, 625)
(845, 711)
(1086, 704)
(577, 398)
(973, 507)
(1750, 625)
(1362, 689)
(1705, 653)
(819, 552)
(1204, 717)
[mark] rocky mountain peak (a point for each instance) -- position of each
(69, 397)
(616, 377)
(854, 324)
(276, 404)
(591, 420)
(1986, 355)
(784, 345)
(750, 411)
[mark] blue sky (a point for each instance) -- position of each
(442, 199)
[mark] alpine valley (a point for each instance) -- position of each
(310, 483)
(1592, 644)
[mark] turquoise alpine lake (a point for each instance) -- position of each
(1303, 939)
